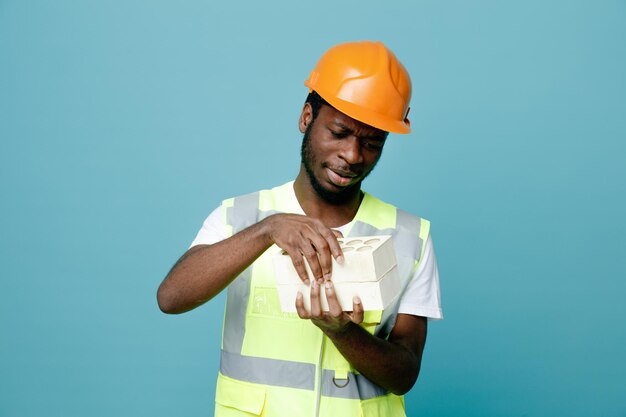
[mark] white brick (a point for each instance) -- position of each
(369, 271)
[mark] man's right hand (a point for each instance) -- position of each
(205, 270)
(300, 236)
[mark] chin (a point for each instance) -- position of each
(336, 195)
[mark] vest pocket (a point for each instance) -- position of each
(265, 302)
(237, 398)
(388, 405)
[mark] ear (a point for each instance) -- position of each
(305, 117)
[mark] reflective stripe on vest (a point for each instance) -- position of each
(409, 236)
(355, 387)
(291, 374)
(239, 216)
(268, 371)
(242, 214)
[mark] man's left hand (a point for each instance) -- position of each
(335, 320)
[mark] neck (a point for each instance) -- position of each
(330, 213)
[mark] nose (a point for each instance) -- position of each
(351, 150)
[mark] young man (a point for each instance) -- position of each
(315, 362)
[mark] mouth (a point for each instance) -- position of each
(341, 178)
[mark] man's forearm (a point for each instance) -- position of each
(205, 270)
(391, 364)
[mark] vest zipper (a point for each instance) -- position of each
(319, 378)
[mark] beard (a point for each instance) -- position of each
(330, 196)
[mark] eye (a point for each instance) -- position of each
(338, 135)
(373, 145)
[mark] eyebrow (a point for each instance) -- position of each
(379, 137)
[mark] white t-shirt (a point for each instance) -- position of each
(421, 297)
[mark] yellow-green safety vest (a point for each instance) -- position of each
(276, 364)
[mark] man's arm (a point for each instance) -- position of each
(205, 270)
(394, 364)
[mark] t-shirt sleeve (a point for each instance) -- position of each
(422, 295)
(213, 229)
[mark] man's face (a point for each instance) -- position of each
(338, 152)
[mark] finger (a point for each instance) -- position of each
(323, 253)
(333, 244)
(333, 303)
(298, 263)
(302, 313)
(357, 310)
(310, 253)
(316, 304)
(337, 233)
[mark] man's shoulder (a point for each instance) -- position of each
(376, 204)
(285, 188)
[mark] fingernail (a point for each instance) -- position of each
(327, 276)
(314, 284)
(307, 282)
(329, 284)
(299, 295)
(356, 300)
(340, 259)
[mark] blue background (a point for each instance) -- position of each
(124, 123)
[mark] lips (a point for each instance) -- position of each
(340, 178)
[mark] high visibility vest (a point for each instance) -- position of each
(276, 364)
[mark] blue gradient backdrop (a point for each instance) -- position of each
(124, 123)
